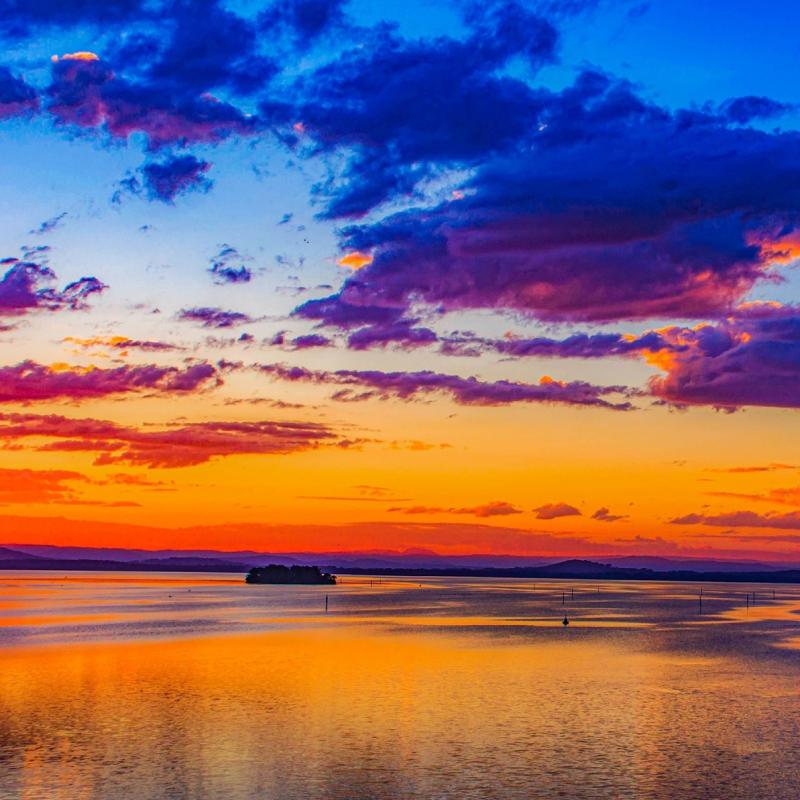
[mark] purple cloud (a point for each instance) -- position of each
(31, 382)
(752, 360)
(165, 180)
(593, 217)
(373, 384)
(24, 288)
(228, 266)
(214, 317)
(16, 96)
(86, 92)
(305, 342)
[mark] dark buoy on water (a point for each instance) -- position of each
(565, 621)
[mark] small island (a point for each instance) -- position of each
(277, 573)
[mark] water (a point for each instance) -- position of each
(143, 687)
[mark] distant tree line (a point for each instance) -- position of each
(277, 573)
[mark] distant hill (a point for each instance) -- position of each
(579, 569)
(7, 554)
(418, 563)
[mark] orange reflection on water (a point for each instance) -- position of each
(446, 688)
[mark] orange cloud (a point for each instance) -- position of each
(355, 260)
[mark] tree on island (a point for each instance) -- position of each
(277, 573)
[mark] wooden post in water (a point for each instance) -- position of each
(326, 604)
(563, 598)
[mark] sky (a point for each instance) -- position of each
(312, 275)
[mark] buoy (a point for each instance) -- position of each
(565, 621)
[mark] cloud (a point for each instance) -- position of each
(228, 267)
(742, 519)
(365, 104)
(555, 510)
(214, 317)
(177, 175)
(305, 342)
(28, 381)
(48, 486)
(746, 109)
(404, 334)
(604, 515)
(742, 361)
(37, 486)
(19, 17)
(374, 384)
(167, 446)
(121, 343)
(24, 287)
(87, 92)
(577, 345)
(303, 20)
(606, 208)
(16, 96)
(497, 508)
(756, 468)
(50, 224)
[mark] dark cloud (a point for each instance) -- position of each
(556, 510)
(604, 515)
(358, 385)
(367, 104)
(165, 180)
(747, 109)
(610, 209)
(577, 345)
(214, 317)
(16, 96)
(305, 342)
(28, 381)
(24, 287)
(210, 47)
(173, 446)
(228, 266)
(338, 313)
(304, 21)
(87, 92)
(738, 362)
(404, 334)
(19, 17)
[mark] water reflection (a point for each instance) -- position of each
(201, 688)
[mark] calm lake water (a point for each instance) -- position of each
(151, 686)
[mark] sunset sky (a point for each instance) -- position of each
(496, 277)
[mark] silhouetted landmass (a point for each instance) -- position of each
(277, 573)
(572, 569)
(579, 569)
(192, 559)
